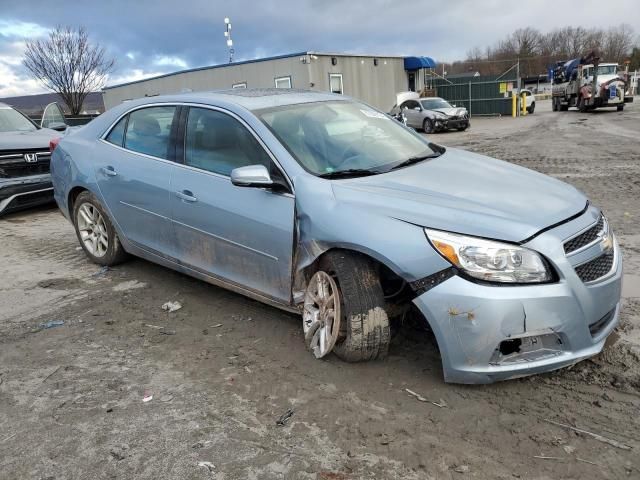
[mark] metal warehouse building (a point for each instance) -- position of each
(373, 79)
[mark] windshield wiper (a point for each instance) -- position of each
(416, 159)
(349, 172)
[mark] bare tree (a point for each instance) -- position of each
(68, 64)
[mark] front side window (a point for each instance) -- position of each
(331, 137)
(218, 143)
(283, 82)
(335, 83)
(13, 121)
(148, 131)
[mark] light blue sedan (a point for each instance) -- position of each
(321, 205)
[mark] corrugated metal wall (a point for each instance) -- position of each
(483, 95)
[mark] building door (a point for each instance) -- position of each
(412, 81)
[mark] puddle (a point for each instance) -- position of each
(631, 286)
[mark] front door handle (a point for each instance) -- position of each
(109, 171)
(187, 196)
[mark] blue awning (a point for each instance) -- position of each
(416, 63)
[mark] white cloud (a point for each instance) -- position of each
(21, 29)
(167, 61)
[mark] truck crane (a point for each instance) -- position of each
(587, 84)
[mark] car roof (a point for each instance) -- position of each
(4, 105)
(249, 98)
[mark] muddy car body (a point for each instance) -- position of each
(322, 205)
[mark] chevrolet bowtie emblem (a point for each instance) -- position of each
(30, 157)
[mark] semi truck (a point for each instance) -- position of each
(587, 84)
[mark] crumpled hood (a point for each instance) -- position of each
(37, 139)
(466, 193)
(452, 112)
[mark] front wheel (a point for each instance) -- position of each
(620, 108)
(344, 309)
(95, 231)
(532, 108)
(554, 104)
(427, 125)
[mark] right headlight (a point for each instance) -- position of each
(490, 260)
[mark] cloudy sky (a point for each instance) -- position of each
(148, 38)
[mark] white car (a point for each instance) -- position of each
(530, 99)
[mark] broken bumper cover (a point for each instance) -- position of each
(24, 192)
(451, 123)
(488, 332)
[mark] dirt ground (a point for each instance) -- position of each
(223, 369)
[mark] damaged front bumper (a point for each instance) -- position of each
(451, 123)
(488, 332)
(24, 192)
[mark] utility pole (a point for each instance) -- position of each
(227, 34)
(518, 87)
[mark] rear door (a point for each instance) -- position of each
(133, 171)
(242, 235)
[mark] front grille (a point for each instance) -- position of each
(584, 238)
(596, 268)
(13, 164)
(596, 327)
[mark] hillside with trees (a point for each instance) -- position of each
(537, 50)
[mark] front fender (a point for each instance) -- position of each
(323, 224)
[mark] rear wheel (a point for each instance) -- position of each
(620, 108)
(344, 309)
(554, 104)
(427, 125)
(95, 231)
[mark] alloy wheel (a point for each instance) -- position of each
(93, 230)
(321, 315)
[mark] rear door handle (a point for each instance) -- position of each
(187, 196)
(109, 171)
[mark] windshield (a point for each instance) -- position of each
(607, 69)
(331, 137)
(434, 103)
(13, 121)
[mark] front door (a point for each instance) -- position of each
(412, 81)
(241, 235)
(133, 172)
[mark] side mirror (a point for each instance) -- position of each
(405, 108)
(251, 176)
(417, 109)
(454, 105)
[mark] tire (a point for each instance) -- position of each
(427, 125)
(364, 330)
(102, 228)
(532, 108)
(620, 108)
(582, 105)
(462, 129)
(562, 108)
(554, 104)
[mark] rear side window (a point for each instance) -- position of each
(148, 131)
(218, 143)
(116, 135)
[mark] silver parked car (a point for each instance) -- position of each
(321, 205)
(432, 114)
(24, 157)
